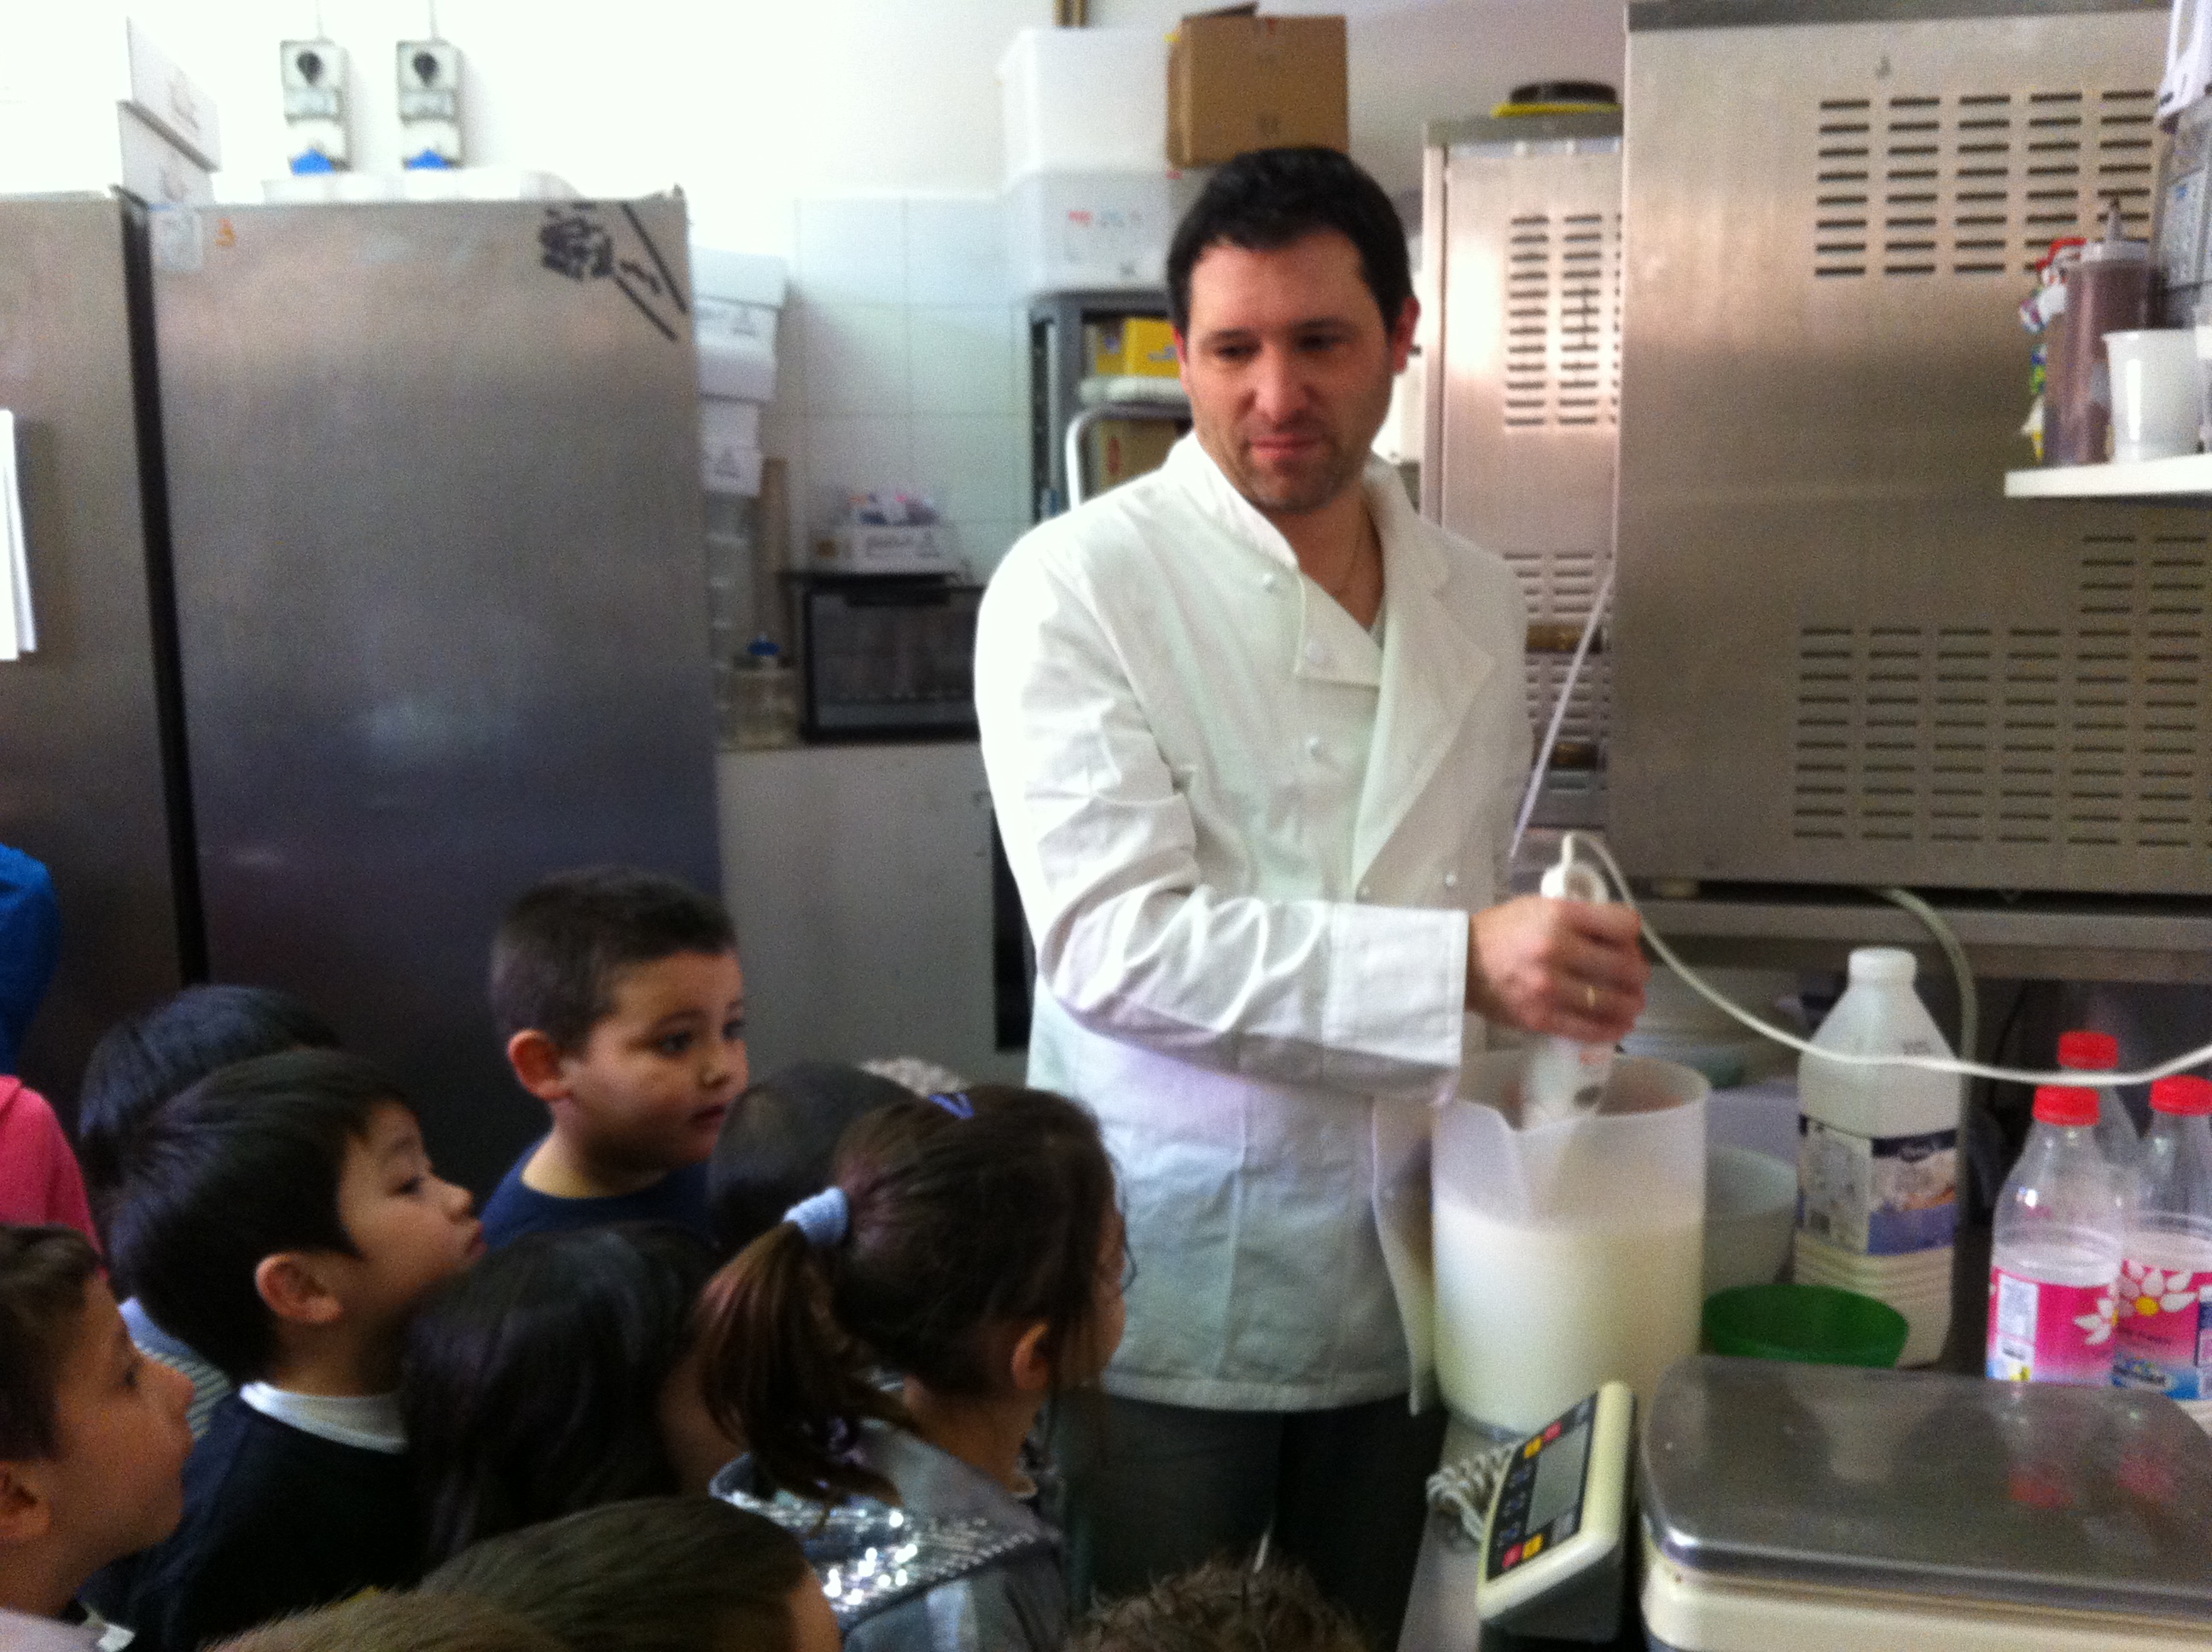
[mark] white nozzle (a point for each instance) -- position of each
(1570, 879)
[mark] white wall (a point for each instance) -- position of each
(859, 139)
(751, 100)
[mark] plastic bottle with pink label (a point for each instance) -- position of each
(2163, 1334)
(2057, 1253)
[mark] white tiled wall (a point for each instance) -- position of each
(903, 363)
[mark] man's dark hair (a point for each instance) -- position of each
(1219, 1608)
(43, 1275)
(556, 958)
(496, 1445)
(243, 1165)
(652, 1575)
(779, 1140)
(1269, 198)
(141, 1061)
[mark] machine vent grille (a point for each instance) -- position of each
(1974, 183)
(2090, 735)
(1560, 586)
(1563, 320)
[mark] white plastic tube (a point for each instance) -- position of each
(1927, 1063)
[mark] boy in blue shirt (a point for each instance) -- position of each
(623, 1006)
(282, 1218)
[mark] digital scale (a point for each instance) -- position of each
(1554, 1549)
(1794, 1508)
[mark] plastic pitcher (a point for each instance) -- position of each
(1571, 1252)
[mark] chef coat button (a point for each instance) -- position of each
(1268, 582)
(1316, 653)
(1451, 880)
(1313, 746)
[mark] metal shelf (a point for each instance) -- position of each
(2187, 479)
(2033, 937)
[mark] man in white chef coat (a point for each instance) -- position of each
(1255, 733)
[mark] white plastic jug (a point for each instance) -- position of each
(1571, 1252)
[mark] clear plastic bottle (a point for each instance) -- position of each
(2088, 1052)
(2057, 1255)
(2163, 1306)
(767, 692)
(1878, 1154)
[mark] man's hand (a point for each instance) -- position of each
(1565, 966)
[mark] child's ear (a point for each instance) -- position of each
(27, 1512)
(536, 1062)
(296, 1290)
(1029, 1366)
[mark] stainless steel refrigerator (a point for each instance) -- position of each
(426, 496)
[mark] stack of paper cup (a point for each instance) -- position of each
(1918, 1284)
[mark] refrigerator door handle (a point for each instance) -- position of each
(19, 632)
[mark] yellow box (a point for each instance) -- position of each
(1139, 346)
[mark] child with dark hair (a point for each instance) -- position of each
(1220, 1607)
(970, 1242)
(620, 997)
(653, 1574)
(92, 1439)
(499, 1443)
(400, 1623)
(776, 1145)
(142, 1061)
(281, 1215)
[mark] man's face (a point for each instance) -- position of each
(1289, 365)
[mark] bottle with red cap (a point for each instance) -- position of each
(2088, 1052)
(2058, 1245)
(2164, 1331)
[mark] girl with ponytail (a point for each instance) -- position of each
(885, 1350)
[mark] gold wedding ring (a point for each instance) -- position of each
(1589, 998)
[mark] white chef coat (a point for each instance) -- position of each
(1247, 837)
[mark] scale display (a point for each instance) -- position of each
(1552, 1554)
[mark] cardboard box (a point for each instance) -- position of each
(1122, 449)
(1135, 346)
(866, 548)
(77, 55)
(1238, 82)
(86, 145)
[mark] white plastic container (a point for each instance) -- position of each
(1091, 231)
(1878, 1151)
(2057, 1250)
(1080, 100)
(1095, 231)
(2162, 1336)
(1568, 1255)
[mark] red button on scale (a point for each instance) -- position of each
(1512, 1558)
(1551, 1434)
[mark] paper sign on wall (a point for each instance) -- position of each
(18, 635)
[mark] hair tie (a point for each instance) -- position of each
(956, 1102)
(824, 1218)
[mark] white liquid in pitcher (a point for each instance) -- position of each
(1531, 1320)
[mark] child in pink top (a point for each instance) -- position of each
(40, 1181)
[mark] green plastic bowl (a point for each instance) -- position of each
(1813, 1324)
